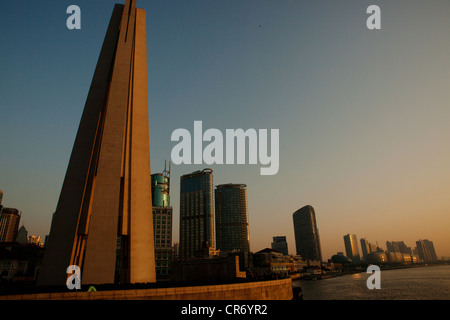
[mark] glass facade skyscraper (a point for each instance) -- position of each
(160, 190)
(279, 243)
(162, 223)
(307, 240)
(351, 248)
(196, 213)
(231, 211)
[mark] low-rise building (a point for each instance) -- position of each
(215, 269)
(270, 262)
(20, 262)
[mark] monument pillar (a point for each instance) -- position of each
(103, 221)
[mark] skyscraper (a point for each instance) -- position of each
(22, 235)
(161, 189)
(231, 213)
(103, 221)
(196, 213)
(398, 246)
(307, 240)
(351, 248)
(426, 251)
(365, 248)
(162, 223)
(9, 224)
(279, 243)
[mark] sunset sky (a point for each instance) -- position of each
(363, 115)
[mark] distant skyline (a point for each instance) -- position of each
(363, 115)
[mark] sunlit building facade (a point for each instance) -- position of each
(351, 248)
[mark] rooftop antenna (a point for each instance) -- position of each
(166, 174)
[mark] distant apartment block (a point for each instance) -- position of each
(280, 244)
(398, 246)
(367, 248)
(425, 250)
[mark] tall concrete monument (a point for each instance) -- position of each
(103, 221)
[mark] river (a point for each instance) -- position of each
(422, 283)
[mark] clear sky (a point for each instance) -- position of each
(364, 115)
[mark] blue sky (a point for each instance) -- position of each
(363, 115)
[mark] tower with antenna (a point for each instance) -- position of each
(162, 222)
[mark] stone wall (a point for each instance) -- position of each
(262, 290)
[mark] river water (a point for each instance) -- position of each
(422, 283)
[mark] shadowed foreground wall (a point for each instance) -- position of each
(263, 290)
